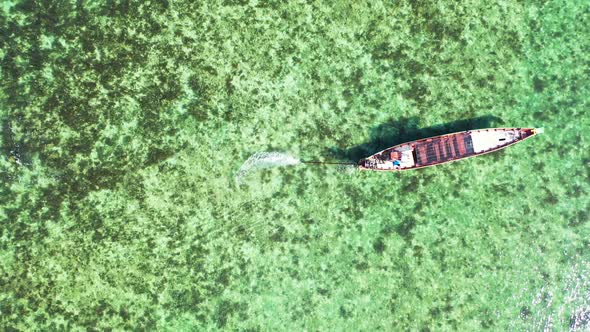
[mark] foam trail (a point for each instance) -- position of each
(261, 160)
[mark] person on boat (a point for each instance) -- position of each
(397, 164)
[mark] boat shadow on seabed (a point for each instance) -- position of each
(402, 130)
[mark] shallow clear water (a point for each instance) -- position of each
(124, 127)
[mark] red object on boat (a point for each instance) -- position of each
(444, 148)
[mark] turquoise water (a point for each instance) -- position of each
(125, 125)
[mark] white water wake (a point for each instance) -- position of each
(261, 160)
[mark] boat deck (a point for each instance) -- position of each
(441, 149)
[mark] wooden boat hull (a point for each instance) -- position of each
(443, 149)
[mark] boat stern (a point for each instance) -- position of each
(362, 163)
(397, 158)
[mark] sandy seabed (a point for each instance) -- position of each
(124, 126)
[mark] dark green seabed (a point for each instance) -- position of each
(124, 123)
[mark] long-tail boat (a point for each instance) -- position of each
(445, 148)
